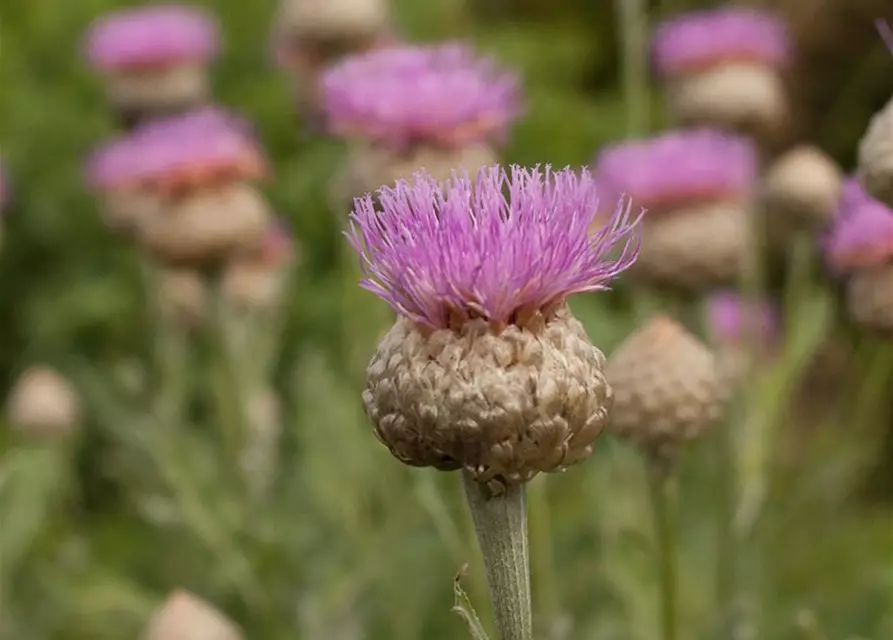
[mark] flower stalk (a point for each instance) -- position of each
(500, 522)
(662, 491)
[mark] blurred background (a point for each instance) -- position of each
(122, 487)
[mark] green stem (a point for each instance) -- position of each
(500, 521)
(726, 538)
(662, 491)
(632, 16)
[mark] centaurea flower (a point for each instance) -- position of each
(801, 189)
(154, 58)
(696, 186)
(722, 67)
(485, 369)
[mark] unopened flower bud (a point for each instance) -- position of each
(802, 187)
(876, 156)
(184, 616)
(486, 369)
(43, 404)
(667, 387)
(332, 21)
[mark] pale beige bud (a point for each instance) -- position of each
(373, 166)
(182, 296)
(208, 226)
(158, 90)
(43, 404)
(259, 458)
(876, 156)
(328, 20)
(870, 297)
(124, 210)
(802, 187)
(695, 248)
(504, 406)
(667, 387)
(748, 98)
(184, 616)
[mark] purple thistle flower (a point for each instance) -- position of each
(149, 36)
(703, 38)
(852, 195)
(731, 316)
(435, 93)
(191, 146)
(467, 247)
(862, 235)
(678, 167)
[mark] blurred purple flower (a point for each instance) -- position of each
(495, 247)
(852, 195)
(168, 152)
(731, 316)
(701, 39)
(153, 35)
(443, 94)
(678, 167)
(862, 234)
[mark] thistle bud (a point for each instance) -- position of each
(803, 187)
(486, 369)
(184, 616)
(667, 387)
(876, 156)
(43, 404)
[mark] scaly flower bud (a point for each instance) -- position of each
(43, 404)
(667, 385)
(184, 616)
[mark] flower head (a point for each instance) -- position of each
(169, 153)
(679, 167)
(439, 253)
(862, 235)
(731, 316)
(435, 93)
(852, 195)
(705, 38)
(152, 36)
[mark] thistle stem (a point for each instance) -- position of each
(726, 538)
(500, 522)
(662, 492)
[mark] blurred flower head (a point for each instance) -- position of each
(278, 246)
(679, 167)
(500, 247)
(703, 39)
(735, 319)
(862, 234)
(152, 36)
(442, 94)
(169, 153)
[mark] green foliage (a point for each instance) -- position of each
(339, 541)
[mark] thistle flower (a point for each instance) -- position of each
(184, 615)
(202, 165)
(802, 188)
(696, 186)
(702, 39)
(485, 368)
(668, 387)
(876, 155)
(153, 58)
(438, 94)
(722, 67)
(680, 167)
(859, 247)
(332, 22)
(43, 404)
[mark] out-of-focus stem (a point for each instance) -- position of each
(500, 522)
(726, 538)
(632, 18)
(662, 492)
